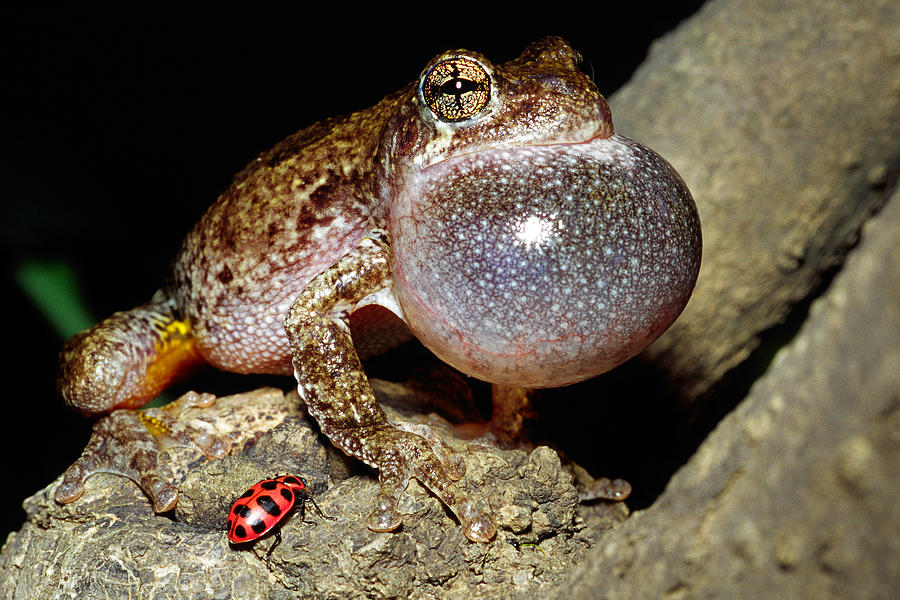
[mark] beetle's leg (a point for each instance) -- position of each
(274, 545)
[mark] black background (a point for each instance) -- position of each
(121, 129)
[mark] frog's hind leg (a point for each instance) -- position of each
(123, 362)
(127, 359)
(130, 443)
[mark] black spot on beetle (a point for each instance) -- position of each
(268, 485)
(240, 532)
(270, 506)
(258, 526)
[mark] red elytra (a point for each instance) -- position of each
(266, 504)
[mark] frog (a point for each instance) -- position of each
(490, 210)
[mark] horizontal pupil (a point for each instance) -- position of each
(458, 86)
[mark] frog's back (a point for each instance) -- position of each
(291, 213)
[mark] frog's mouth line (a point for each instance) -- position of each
(509, 152)
(562, 136)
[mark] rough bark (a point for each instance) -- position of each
(782, 117)
(794, 495)
(132, 552)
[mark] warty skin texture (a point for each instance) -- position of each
(489, 206)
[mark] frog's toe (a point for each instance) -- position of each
(385, 516)
(477, 525)
(72, 486)
(604, 488)
(170, 429)
(189, 400)
(163, 493)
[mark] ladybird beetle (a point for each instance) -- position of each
(265, 505)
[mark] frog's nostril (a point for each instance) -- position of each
(563, 86)
(553, 81)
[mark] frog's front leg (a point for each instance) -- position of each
(338, 394)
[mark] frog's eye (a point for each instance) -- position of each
(456, 89)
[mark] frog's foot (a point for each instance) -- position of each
(604, 488)
(131, 443)
(400, 454)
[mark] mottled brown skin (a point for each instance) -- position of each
(267, 280)
(290, 214)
